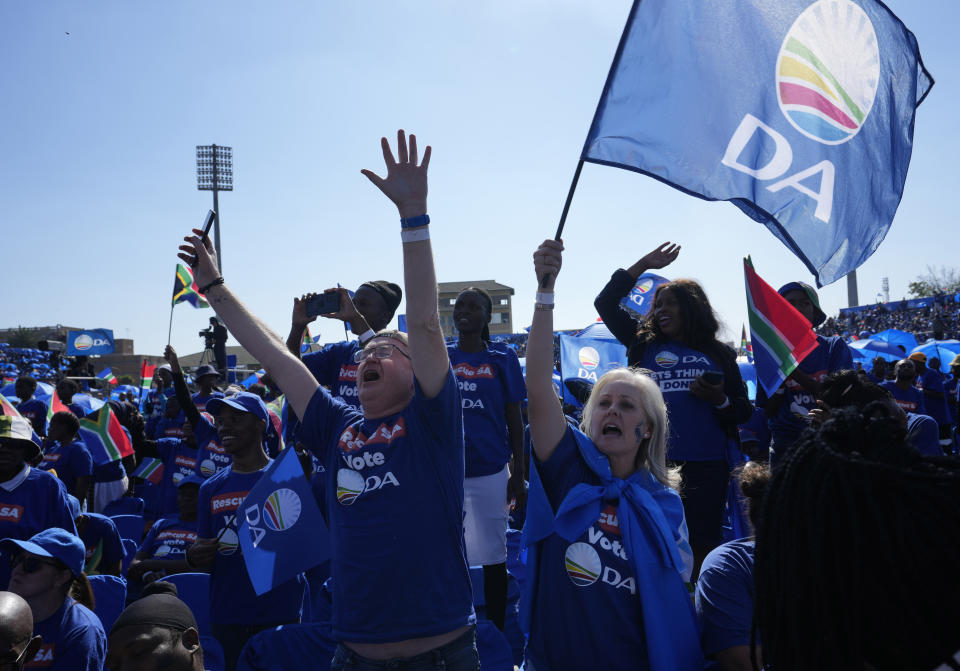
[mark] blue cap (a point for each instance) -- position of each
(190, 480)
(55, 543)
(243, 401)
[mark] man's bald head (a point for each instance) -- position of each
(16, 620)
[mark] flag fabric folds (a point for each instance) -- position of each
(306, 342)
(150, 469)
(56, 405)
(7, 408)
(781, 336)
(185, 288)
(253, 378)
(107, 374)
(745, 346)
(104, 437)
(640, 299)
(810, 128)
(282, 532)
(146, 375)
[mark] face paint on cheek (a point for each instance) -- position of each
(638, 432)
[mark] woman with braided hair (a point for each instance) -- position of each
(857, 548)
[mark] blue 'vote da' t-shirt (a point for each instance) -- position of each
(73, 640)
(35, 411)
(333, 367)
(179, 461)
(695, 433)
(910, 399)
(232, 598)
(169, 538)
(394, 501)
(586, 612)
(211, 456)
(488, 381)
(69, 461)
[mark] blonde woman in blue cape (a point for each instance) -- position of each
(608, 549)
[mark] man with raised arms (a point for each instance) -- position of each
(401, 596)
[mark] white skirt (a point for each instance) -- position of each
(485, 511)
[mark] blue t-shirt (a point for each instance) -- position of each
(725, 596)
(211, 457)
(586, 612)
(695, 432)
(830, 355)
(77, 409)
(69, 461)
(169, 538)
(488, 381)
(38, 502)
(923, 434)
(395, 506)
(910, 399)
(232, 599)
(201, 401)
(932, 381)
(169, 427)
(73, 640)
(35, 411)
(102, 542)
(333, 367)
(179, 461)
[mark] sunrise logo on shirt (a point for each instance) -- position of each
(583, 564)
(350, 485)
(228, 542)
(282, 509)
(666, 359)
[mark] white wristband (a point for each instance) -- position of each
(416, 235)
(366, 335)
(725, 404)
(545, 298)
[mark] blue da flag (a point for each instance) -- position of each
(585, 360)
(94, 341)
(282, 533)
(800, 113)
(640, 299)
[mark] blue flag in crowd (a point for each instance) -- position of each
(640, 299)
(800, 113)
(283, 532)
(94, 341)
(587, 359)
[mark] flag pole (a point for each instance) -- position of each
(140, 399)
(169, 328)
(566, 208)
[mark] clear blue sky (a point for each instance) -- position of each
(99, 128)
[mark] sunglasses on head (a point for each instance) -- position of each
(31, 563)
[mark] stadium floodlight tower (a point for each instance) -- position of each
(215, 173)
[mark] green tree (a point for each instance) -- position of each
(23, 337)
(943, 279)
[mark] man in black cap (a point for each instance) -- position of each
(157, 631)
(788, 408)
(369, 311)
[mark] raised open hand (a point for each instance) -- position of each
(406, 182)
(660, 257)
(199, 254)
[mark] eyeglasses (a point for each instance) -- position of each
(31, 563)
(384, 351)
(16, 664)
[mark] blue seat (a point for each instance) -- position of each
(129, 526)
(213, 658)
(290, 646)
(130, 548)
(109, 596)
(194, 590)
(125, 505)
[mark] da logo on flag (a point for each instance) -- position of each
(827, 71)
(83, 342)
(282, 509)
(645, 286)
(589, 358)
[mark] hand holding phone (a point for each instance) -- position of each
(207, 223)
(323, 304)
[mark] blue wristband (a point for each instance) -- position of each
(413, 222)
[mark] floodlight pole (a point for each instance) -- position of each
(216, 215)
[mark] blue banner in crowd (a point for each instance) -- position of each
(586, 359)
(283, 532)
(94, 341)
(811, 111)
(640, 299)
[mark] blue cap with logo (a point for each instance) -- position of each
(244, 401)
(55, 543)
